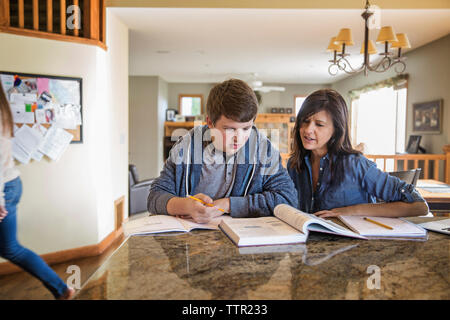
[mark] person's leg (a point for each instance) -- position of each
(11, 250)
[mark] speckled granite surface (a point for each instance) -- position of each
(207, 265)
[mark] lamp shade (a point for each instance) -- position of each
(333, 46)
(345, 37)
(402, 42)
(386, 35)
(372, 49)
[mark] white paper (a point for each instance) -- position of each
(40, 116)
(37, 155)
(28, 139)
(20, 115)
(55, 142)
(65, 117)
(65, 91)
(19, 154)
(7, 82)
(23, 98)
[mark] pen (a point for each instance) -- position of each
(207, 204)
(378, 223)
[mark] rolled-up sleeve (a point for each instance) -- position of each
(385, 186)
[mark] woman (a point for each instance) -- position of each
(10, 192)
(331, 177)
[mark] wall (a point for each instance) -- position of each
(285, 99)
(429, 79)
(69, 203)
(148, 103)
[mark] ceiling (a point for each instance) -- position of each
(279, 45)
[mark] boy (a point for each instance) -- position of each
(227, 164)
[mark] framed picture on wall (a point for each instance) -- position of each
(427, 117)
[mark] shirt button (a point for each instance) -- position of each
(321, 169)
(403, 190)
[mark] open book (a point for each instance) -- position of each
(288, 225)
(401, 229)
(162, 223)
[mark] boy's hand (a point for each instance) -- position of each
(199, 212)
(3, 213)
(223, 203)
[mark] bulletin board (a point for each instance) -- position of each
(46, 100)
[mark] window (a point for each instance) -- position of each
(379, 121)
(190, 105)
(298, 101)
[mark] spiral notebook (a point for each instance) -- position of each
(401, 229)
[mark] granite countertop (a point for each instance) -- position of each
(207, 265)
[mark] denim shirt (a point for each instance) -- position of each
(363, 183)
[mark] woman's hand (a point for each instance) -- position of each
(334, 213)
(3, 213)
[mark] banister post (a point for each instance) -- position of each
(4, 14)
(446, 149)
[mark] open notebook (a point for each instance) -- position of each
(161, 223)
(401, 229)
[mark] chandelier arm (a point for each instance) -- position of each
(343, 63)
(385, 64)
(401, 64)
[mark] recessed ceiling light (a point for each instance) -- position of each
(162, 51)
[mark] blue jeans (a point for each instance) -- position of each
(11, 250)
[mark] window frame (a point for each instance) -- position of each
(295, 98)
(181, 96)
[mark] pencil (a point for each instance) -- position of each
(207, 204)
(378, 223)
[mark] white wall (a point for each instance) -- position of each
(69, 203)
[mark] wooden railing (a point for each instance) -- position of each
(429, 163)
(81, 21)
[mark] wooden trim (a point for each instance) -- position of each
(52, 36)
(62, 16)
(76, 30)
(49, 15)
(180, 96)
(119, 212)
(103, 20)
(4, 13)
(67, 255)
(94, 14)
(21, 14)
(446, 150)
(36, 14)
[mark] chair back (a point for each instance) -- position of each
(133, 173)
(409, 176)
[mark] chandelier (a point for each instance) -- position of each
(386, 36)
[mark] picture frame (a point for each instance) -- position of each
(170, 114)
(413, 144)
(427, 117)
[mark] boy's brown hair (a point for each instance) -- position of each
(233, 99)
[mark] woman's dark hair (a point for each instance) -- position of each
(339, 144)
(6, 117)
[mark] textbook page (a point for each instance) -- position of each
(166, 223)
(152, 224)
(306, 222)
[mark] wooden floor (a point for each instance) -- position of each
(23, 286)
